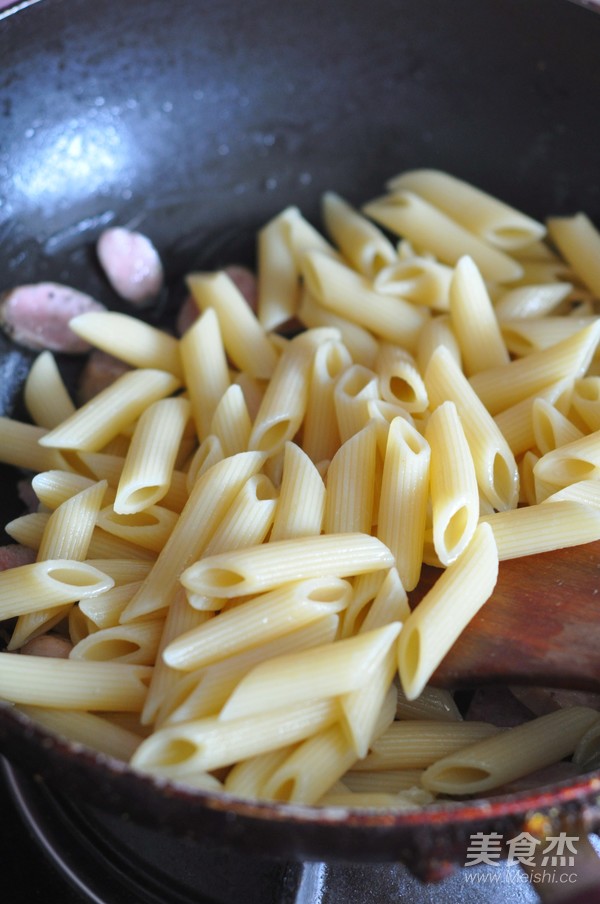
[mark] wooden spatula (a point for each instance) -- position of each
(541, 626)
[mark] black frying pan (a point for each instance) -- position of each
(197, 121)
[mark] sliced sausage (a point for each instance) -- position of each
(131, 263)
(37, 315)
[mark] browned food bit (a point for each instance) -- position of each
(13, 555)
(131, 263)
(37, 315)
(100, 371)
(52, 645)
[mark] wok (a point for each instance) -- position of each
(196, 122)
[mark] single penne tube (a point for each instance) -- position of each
(360, 342)
(41, 585)
(301, 504)
(205, 368)
(531, 302)
(253, 391)
(204, 692)
(68, 532)
(389, 781)
(551, 429)
(474, 320)
(493, 220)
(516, 423)
(320, 432)
(113, 409)
(136, 644)
(429, 228)
(500, 387)
(263, 567)
(390, 604)
(437, 331)
(105, 609)
(326, 671)
(21, 447)
(28, 530)
(54, 487)
(96, 465)
(277, 273)
(207, 744)
(369, 710)
(284, 403)
(345, 292)
(45, 395)
(311, 769)
(382, 414)
(285, 609)
(512, 754)
(434, 703)
(572, 461)
(130, 339)
(543, 527)
(180, 619)
(244, 338)
(417, 744)
(209, 499)
(399, 379)
(359, 240)
(578, 240)
(354, 389)
(231, 423)
(150, 459)
(403, 499)
(445, 610)
(302, 237)
(248, 519)
(246, 779)
(73, 684)
(585, 401)
(417, 279)
(528, 489)
(149, 528)
(495, 465)
(454, 492)
(350, 484)
(523, 337)
(86, 728)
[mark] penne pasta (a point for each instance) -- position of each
(129, 339)
(301, 504)
(350, 484)
(362, 244)
(45, 395)
(474, 320)
(578, 241)
(205, 369)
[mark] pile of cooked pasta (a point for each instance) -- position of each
(228, 534)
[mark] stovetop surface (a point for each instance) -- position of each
(55, 851)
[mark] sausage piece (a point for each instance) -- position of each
(37, 315)
(131, 263)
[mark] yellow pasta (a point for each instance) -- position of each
(418, 279)
(109, 412)
(403, 500)
(435, 624)
(361, 243)
(474, 320)
(244, 338)
(40, 585)
(301, 503)
(361, 343)
(350, 484)
(205, 368)
(399, 380)
(578, 241)
(150, 459)
(45, 395)
(320, 432)
(543, 527)
(130, 339)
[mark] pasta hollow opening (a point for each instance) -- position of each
(135, 519)
(575, 469)
(521, 345)
(510, 237)
(285, 791)
(107, 650)
(455, 528)
(222, 577)
(273, 436)
(461, 775)
(140, 498)
(73, 577)
(412, 657)
(356, 382)
(174, 752)
(326, 594)
(503, 479)
(588, 391)
(402, 390)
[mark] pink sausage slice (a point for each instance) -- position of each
(131, 263)
(14, 554)
(37, 316)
